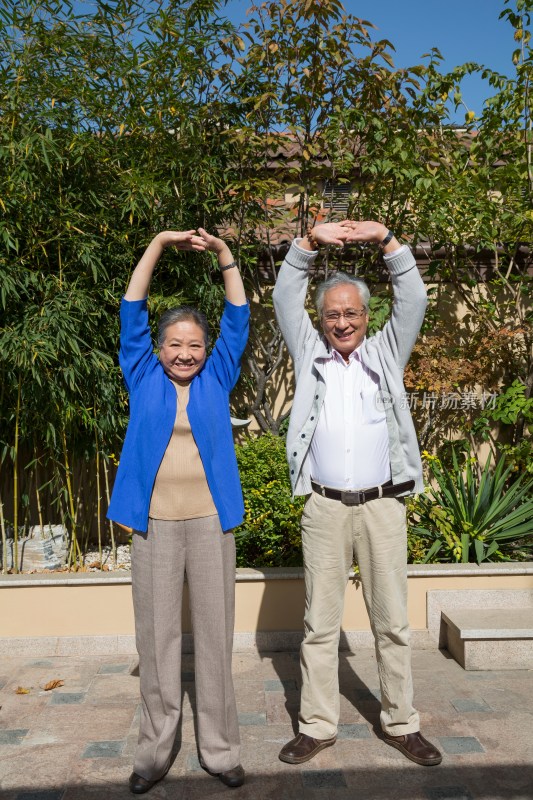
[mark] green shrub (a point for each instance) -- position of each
(466, 518)
(270, 533)
(461, 518)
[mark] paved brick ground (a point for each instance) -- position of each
(77, 741)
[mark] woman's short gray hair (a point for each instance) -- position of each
(179, 314)
(339, 279)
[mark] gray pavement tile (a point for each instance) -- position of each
(40, 662)
(280, 707)
(323, 778)
(107, 749)
(448, 793)
(117, 789)
(13, 736)
(193, 764)
(487, 752)
(457, 745)
(467, 704)
(67, 698)
(113, 689)
(69, 723)
(280, 686)
(368, 695)
(107, 669)
(251, 695)
(37, 767)
(252, 718)
(45, 794)
(353, 731)
(205, 787)
(75, 674)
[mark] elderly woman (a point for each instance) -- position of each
(178, 489)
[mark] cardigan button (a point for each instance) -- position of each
(292, 472)
(303, 435)
(295, 453)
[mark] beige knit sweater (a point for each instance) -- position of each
(180, 490)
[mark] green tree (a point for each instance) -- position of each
(107, 134)
(127, 117)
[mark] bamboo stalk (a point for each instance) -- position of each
(74, 550)
(111, 529)
(79, 504)
(98, 499)
(4, 537)
(27, 516)
(16, 482)
(38, 498)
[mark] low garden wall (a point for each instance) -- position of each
(70, 613)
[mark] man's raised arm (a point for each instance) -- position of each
(291, 286)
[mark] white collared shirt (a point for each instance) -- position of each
(350, 446)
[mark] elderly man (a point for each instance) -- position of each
(352, 448)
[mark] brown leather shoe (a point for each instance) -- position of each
(303, 747)
(140, 785)
(415, 747)
(232, 777)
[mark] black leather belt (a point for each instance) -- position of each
(357, 498)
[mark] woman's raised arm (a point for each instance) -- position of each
(233, 284)
(142, 274)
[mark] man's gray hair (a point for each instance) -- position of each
(340, 279)
(180, 314)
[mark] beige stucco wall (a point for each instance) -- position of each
(99, 607)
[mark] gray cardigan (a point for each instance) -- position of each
(386, 353)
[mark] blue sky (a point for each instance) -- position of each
(463, 30)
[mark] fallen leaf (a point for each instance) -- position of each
(53, 684)
(22, 690)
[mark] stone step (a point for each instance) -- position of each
(490, 638)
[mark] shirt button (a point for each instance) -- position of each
(312, 418)
(295, 454)
(303, 435)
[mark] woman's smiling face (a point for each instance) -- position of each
(183, 352)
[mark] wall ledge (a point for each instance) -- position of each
(268, 574)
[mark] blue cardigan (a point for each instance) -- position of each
(153, 404)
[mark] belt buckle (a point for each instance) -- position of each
(352, 498)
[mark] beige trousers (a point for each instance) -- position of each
(332, 536)
(160, 559)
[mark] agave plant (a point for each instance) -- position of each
(467, 517)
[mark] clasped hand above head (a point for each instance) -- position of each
(346, 231)
(197, 241)
(191, 240)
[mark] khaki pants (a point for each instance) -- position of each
(160, 559)
(332, 535)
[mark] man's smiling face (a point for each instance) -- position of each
(344, 318)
